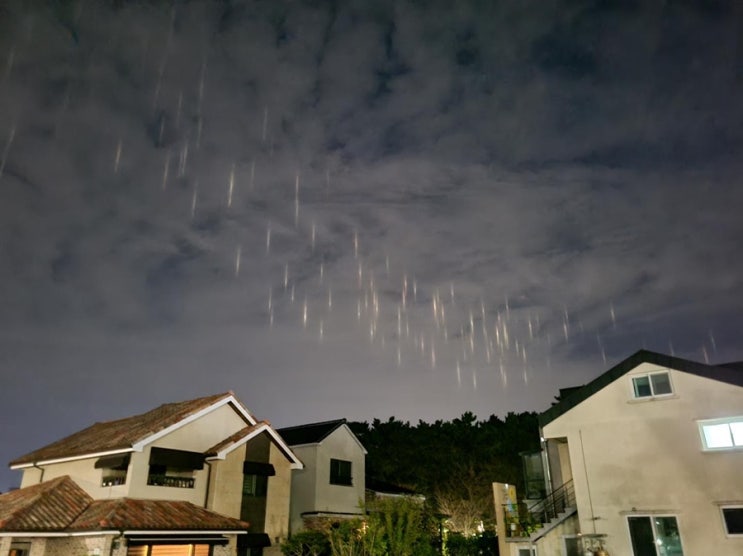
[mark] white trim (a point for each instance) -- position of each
(73, 458)
(649, 374)
(650, 515)
(62, 534)
(725, 523)
(701, 423)
(182, 532)
(139, 446)
(291, 456)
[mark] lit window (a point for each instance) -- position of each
(722, 434)
(649, 532)
(652, 385)
(733, 518)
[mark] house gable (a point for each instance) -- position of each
(727, 374)
(131, 433)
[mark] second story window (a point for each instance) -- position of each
(722, 434)
(173, 468)
(651, 385)
(113, 469)
(340, 472)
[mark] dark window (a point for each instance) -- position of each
(641, 531)
(653, 384)
(733, 520)
(648, 532)
(255, 485)
(340, 472)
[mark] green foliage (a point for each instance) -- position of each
(485, 544)
(453, 462)
(307, 543)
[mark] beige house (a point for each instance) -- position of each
(201, 477)
(646, 460)
(331, 486)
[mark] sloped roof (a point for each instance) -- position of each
(124, 433)
(131, 514)
(730, 373)
(311, 433)
(61, 506)
(234, 438)
(49, 506)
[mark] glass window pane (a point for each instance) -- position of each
(642, 386)
(661, 383)
(733, 520)
(667, 537)
(736, 428)
(641, 532)
(717, 436)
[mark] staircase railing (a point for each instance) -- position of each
(554, 503)
(525, 519)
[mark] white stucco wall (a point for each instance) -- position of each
(311, 488)
(645, 456)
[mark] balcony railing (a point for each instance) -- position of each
(113, 481)
(170, 481)
(523, 520)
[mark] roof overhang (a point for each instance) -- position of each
(264, 427)
(73, 458)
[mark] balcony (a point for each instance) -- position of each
(170, 481)
(535, 519)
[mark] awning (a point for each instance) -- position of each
(253, 540)
(257, 468)
(119, 461)
(138, 540)
(179, 459)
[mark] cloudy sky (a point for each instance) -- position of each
(359, 209)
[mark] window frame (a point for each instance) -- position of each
(653, 395)
(339, 478)
(652, 517)
(702, 423)
(724, 521)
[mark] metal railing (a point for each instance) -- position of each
(170, 481)
(554, 503)
(523, 520)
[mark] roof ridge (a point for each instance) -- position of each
(330, 421)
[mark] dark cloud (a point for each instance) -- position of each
(359, 209)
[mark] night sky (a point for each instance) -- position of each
(359, 209)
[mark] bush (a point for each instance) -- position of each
(307, 543)
(485, 544)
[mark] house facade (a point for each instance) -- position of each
(196, 477)
(649, 458)
(331, 485)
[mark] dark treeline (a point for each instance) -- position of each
(453, 463)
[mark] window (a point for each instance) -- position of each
(654, 536)
(733, 518)
(20, 549)
(255, 485)
(651, 385)
(722, 434)
(114, 469)
(340, 472)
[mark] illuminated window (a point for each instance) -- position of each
(650, 532)
(651, 385)
(733, 518)
(722, 434)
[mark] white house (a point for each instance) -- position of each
(331, 484)
(646, 460)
